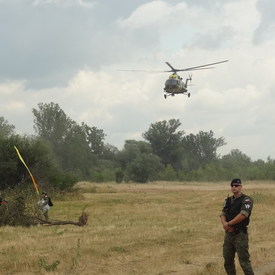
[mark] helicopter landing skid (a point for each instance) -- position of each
(165, 95)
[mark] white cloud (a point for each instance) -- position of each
(16, 106)
(81, 3)
(155, 12)
(7, 88)
(73, 61)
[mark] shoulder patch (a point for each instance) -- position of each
(247, 199)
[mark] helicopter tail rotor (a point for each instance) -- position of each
(189, 79)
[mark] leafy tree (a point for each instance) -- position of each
(36, 155)
(131, 150)
(166, 141)
(95, 139)
(145, 167)
(169, 174)
(75, 152)
(235, 158)
(78, 148)
(270, 169)
(119, 176)
(6, 129)
(201, 149)
(211, 172)
(51, 123)
(139, 162)
(110, 154)
(10, 172)
(236, 164)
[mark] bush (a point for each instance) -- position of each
(63, 181)
(20, 207)
(119, 176)
(169, 174)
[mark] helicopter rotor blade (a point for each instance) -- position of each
(208, 68)
(142, 71)
(201, 67)
(195, 69)
(172, 68)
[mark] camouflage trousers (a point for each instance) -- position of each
(236, 243)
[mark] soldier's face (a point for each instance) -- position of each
(236, 189)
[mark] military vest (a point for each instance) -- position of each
(232, 208)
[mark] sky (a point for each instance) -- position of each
(71, 52)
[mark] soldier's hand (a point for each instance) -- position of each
(227, 227)
(231, 229)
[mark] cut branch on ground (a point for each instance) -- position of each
(82, 220)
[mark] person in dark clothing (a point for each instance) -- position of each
(235, 219)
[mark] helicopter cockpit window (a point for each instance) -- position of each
(175, 82)
(172, 82)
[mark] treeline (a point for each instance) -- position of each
(63, 152)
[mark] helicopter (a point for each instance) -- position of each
(175, 84)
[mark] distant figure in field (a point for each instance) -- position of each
(43, 205)
(235, 219)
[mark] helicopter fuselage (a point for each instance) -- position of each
(175, 85)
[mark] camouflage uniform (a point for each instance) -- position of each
(237, 241)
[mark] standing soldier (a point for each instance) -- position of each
(235, 219)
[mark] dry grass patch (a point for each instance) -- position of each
(160, 228)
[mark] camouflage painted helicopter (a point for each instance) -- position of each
(175, 85)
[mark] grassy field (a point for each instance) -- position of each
(160, 228)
